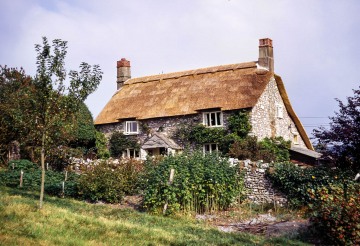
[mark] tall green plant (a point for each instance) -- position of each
(201, 183)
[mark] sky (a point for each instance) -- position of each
(316, 42)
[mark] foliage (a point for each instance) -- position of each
(101, 148)
(119, 142)
(32, 179)
(296, 182)
(336, 213)
(268, 149)
(239, 124)
(84, 129)
(341, 141)
(14, 84)
(201, 183)
(103, 183)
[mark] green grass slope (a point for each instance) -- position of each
(71, 222)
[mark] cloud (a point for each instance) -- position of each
(315, 43)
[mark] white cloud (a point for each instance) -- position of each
(315, 42)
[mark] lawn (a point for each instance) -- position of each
(72, 222)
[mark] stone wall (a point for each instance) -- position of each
(258, 186)
(264, 119)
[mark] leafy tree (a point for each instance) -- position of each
(14, 84)
(341, 142)
(46, 110)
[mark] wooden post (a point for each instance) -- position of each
(66, 175)
(47, 166)
(13, 166)
(171, 179)
(63, 188)
(21, 178)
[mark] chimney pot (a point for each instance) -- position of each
(123, 72)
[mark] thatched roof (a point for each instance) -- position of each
(227, 87)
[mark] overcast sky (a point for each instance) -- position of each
(316, 42)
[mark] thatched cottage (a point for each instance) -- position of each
(205, 96)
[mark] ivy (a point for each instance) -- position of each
(119, 142)
(239, 123)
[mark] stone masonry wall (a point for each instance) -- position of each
(167, 126)
(258, 186)
(265, 122)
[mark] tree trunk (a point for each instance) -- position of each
(42, 171)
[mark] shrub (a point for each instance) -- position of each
(100, 142)
(201, 183)
(32, 179)
(336, 213)
(110, 182)
(24, 165)
(269, 149)
(296, 182)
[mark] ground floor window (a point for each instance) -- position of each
(210, 148)
(131, 153)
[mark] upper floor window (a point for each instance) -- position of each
(279, 111)
(131, 127)
(213, 118)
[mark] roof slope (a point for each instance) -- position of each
(228, 87)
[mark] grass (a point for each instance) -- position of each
(71, 222)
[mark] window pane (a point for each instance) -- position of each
(207, 120)
(207, 148)
(218, 118)
(213, 147)
(213, 119)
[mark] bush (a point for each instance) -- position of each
(24, 165)
(296, 182)
(268, 149)
(201, 183)
(32, 179)
(336, 213)
(110, 182)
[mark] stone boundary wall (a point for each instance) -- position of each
(258, 186)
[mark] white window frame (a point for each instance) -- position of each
(210, 145)
(128, 129)
(207, 119)
(131, 153)
(279, 111)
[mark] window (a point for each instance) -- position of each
(296, 139)
(210, 148)
(131, 127)
(131, 153)
(279, 111)
(213, 119)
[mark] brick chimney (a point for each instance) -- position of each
(123, 72)
(266, 55)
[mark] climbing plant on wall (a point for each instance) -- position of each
(119, 143)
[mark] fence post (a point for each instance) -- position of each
(21, 178)
(66, 175)
(63, 188)
(171, 179)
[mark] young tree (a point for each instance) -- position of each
(55, 103)
(341, 141)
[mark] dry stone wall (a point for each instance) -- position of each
(258, 186)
